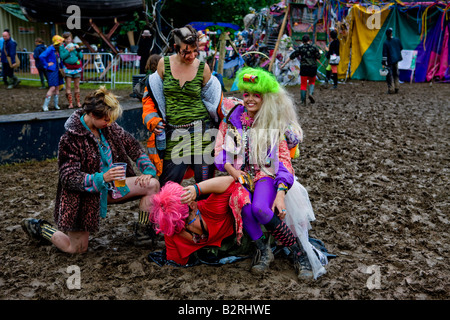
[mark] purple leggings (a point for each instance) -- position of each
(260, 210)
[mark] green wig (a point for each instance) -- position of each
(257, 80)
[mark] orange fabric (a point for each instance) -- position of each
(148, 107)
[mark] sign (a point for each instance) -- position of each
(409, 60)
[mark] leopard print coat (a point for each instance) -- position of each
(79, 155)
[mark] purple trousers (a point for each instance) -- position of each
(260, 210)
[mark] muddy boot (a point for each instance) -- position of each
(40, 230)
(303, 96)
(311, 92)
(263, 256)
(301, 262)
(144, 233)
(335, 80)
(69, 99)
(77, 99)
(46, 103)
(56, 100)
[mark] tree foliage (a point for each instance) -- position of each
(232, 11)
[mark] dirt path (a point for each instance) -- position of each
(377, 170)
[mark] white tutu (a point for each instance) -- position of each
(298, 218)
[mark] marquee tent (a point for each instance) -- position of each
(422, 27)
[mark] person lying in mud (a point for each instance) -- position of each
(254, 145)
(189, 225)
(89, 179)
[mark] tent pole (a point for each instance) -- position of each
(280, 34)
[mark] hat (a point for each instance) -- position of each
(257, 80)
(146, 33)
(389, 31)
(57, 40)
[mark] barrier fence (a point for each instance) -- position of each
(98, 67)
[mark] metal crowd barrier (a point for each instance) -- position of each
(98, 67)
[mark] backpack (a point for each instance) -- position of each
(139, 88)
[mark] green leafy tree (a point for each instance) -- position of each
(232, 11)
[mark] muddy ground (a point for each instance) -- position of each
(377, 170)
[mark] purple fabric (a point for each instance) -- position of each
(259, 211)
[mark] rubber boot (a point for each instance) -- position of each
(10, 82)
(311, 92)
(77, 99)
(56, 100)
(335, 80)
(46, 103)
(69, 99)
(301, 262)
(15, 81)
(303, 96)
(328, 77)
(263, 256)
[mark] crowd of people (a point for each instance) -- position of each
(256, 196)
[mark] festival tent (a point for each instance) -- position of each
(423, 29)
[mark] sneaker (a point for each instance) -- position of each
(33, 227)
(10, 86)
(144, 234)
(303, 267)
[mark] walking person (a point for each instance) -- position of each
(8, 58)
(309, 54)
(144, 47)
(40, 47)
(392, 55)
(183, 101)
(72, 58)
(52, 64)
(92, 143)
(333, 58)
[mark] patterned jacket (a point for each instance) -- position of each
(79, 155)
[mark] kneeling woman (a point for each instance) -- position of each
(91, 144)
(190, 225)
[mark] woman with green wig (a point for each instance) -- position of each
(253, 146)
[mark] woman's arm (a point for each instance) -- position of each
(213, 185)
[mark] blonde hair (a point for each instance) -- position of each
(276, 116)
(101, 103)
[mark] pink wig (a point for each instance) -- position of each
(168, 212)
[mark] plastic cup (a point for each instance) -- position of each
(122, 181)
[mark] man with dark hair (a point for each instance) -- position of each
(392, 54)
(309, 54)
(9, 51)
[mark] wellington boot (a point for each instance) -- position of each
(56, 99)
(263, 257)
(46, 103)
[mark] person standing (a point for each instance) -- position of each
(144, 47)
(333, 58)
(93, 141)
(52, 63)
(183, 100)
(392, 54)
(309, 54)
(40, 47)
(8, 58)
(72, 58)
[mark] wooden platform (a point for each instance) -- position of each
(35, 136)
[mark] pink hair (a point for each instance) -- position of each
(168, 212)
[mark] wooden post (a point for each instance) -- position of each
(280, 34)
(222, 50)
